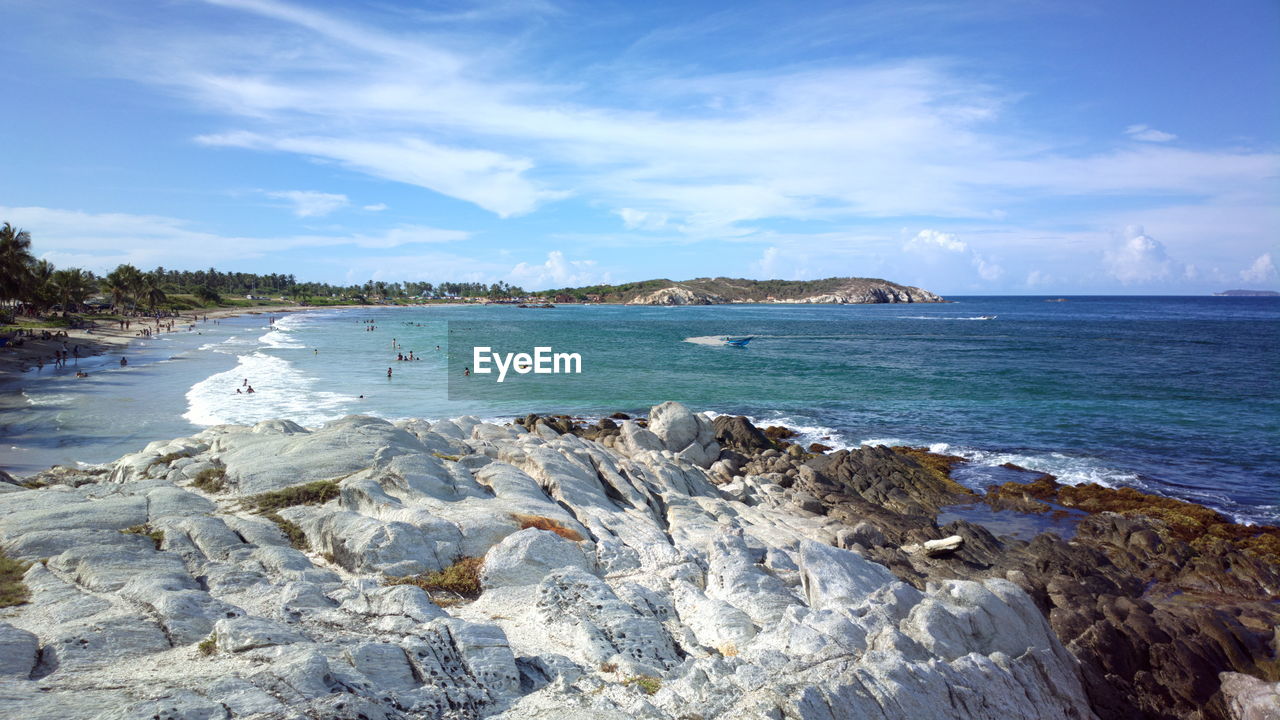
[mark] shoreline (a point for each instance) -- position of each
(1180, 601)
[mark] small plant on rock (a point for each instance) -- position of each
(313, 493)
(211, 480)
(546, 523)
(157, 536)
(648, 684)
(459, 581)
(442, 456)
(292, 530)
(166, 459)
(209, 645)
(12, 590)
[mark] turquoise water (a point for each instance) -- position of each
(1176, 395)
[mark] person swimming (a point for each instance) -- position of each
(249, 391)
(124, 361)
(466, 371)
(388, 372)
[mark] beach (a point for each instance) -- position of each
(108, 336)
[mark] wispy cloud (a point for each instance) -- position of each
(309, 203)
(727, 151)
(1148, 134)
(557, 271)
(100, 241)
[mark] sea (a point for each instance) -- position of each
(1172, 395)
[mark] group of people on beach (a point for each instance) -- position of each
(248, 389)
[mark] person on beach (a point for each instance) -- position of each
(388, 373)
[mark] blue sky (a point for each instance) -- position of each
(1021, 147)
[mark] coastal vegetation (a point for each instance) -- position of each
(211, 480)
(312, 493)
(12, 590)
(461, 579)
(156, 535)
(34, 288)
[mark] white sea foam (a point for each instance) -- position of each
(279, 339)
(943, 317)
(706, 340)
(281, 391)
(1069, 469)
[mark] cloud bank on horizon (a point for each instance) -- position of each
(1011, 148)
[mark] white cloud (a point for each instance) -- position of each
(491, 180)
(640, 220)
(932, 240)
(377, 207)
(1138, 258)
(1036, 278)
(890, 139)
(987, 270)
(1148, 134)
(792, 263)
(309, 203)
(100, 241)
(556, 272)
(1262, 270)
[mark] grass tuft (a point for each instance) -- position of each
(166, 459)
(546, 523)
(211, 480)
(648, 684)
(12, 590)
(462, 579)
(313, 493)
(442, 456)
(292, 531)
(209, 645)
(157, 536)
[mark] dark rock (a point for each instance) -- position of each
(737, 433)
(818, 448)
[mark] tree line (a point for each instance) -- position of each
(39, 286)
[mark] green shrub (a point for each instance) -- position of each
(12, 590)
(211, 480)
(312, 493)
(157, 536)
(292, 531)
(209, 645)
(648, 684)
(166, 459)
(461, 578)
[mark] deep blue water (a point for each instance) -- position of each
(1177, 395)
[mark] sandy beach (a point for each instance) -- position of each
(108, 336)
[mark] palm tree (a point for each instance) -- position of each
(15, 263)
(123, 283)
(153, 293)
(72, 286)
(41, 291)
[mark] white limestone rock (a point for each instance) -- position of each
(526, 557)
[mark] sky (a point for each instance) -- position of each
(968, 148)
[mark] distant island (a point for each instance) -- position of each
(722, 290)
(1248, 293)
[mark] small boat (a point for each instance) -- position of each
(738, 341)
(987, 317)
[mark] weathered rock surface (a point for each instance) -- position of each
(681, 599)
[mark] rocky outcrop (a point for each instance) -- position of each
(677, 295)
(651, 592)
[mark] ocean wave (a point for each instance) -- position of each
(279, 340)
(1069, 469)
(280, 391)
